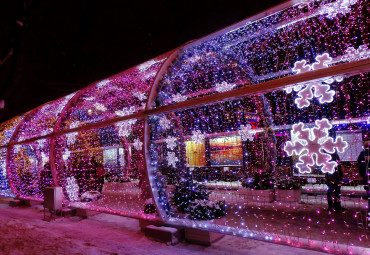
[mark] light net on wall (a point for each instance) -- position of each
(29, 169)
(267, 49)
(289, 170)
(121, 95)
(103, 169)
(6, 131)
(212, 172)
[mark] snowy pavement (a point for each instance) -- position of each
(23, 231)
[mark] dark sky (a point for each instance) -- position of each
(51, 48)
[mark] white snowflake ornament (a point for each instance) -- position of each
(138, 144)
(333, 9)
(246, 132)
(72, 188)
(172, 159)
(140, 95)
(164, 123)
(171, 142)
(197, 136)
(71, 138)
(125, 111)
(125, 127)
(321, 89)
(179, 98)
(224, 86)
(322, 61)
(313, 146)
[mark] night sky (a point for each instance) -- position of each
(50, 48)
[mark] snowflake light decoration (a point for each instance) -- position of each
(44, 158)
(321, 89)
(71, 138)
(179, 98)
(224, 86)
(197, 136)
(246, 132)
(72, 188)
(172, 159)
(138, 144)
(333, 9)
(126, 111)
(140, 95)
(322, 61)
(171, 142)
(313, 146)
(363, 52)
(164, 123)
(125, 127)
(66, 154)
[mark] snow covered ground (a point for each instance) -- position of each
(23, 231)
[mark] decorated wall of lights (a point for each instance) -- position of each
(307, 37)
(272, 136)
(6, 131)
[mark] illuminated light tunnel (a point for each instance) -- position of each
(254, 130)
